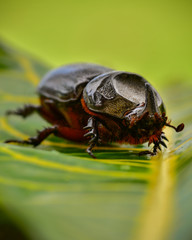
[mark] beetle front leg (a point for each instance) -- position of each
(151, 153)
(147, 153)
(92, 127)
(25, 111)
(35, 141)
(157, 145)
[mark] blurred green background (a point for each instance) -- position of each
(152, 38)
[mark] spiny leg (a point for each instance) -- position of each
(43, 134)
(92, 126)
(25, 111)
(157, 145)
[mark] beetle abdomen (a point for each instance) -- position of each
(70, 118)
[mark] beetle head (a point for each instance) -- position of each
(148, 119)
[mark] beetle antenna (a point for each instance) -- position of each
(179, 128)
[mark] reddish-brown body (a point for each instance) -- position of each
(70, 118)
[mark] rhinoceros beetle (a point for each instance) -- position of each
(88, 101)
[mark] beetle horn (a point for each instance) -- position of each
(150, 100)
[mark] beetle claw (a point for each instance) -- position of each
(35, 141)
(165, 138)
(159, 147)
(90, 153)
(146, 153)
(163, 144)
(30, 141)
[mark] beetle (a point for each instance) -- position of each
(91, 102)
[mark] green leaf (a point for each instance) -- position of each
(56, 191)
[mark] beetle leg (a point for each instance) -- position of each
(146, 153)
(25, 111)
(155, 149)
(35, 141)
(159, 142)
(163, 143)
(164, 137)
(88, 150)
(92, 127)
(154, 152)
